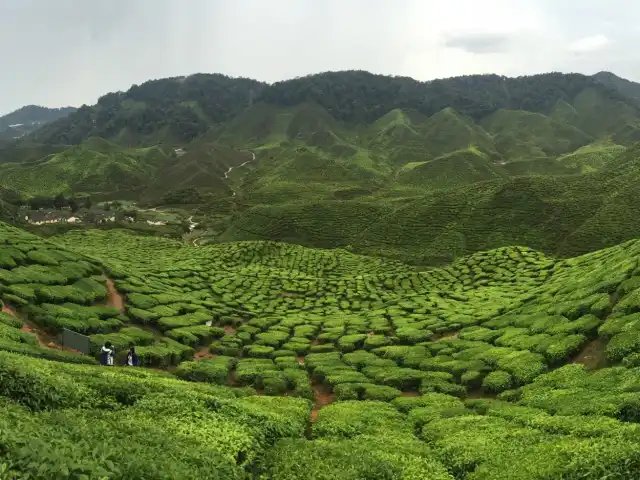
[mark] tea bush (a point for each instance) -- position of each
(394, 349)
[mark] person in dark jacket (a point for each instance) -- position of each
(132, 357)
(106, 354)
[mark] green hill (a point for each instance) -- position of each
(525, 135)
(419, 171)
(599, 116)
(622, 85)
(451, 170)
(447, 131)
(561, 215)
(95, 166)
(202, 167)
(27, 119)
(592, 157)
(381, 279)
(404, 139)
(268, 360)
(170, 109)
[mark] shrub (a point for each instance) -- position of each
(400, 378)
(286, 362)
(618, 324)
(272, 338)
(560, 348)
(585, 325)
(275, 385)
(349, 391)
(259, 351)
(394, 456)
(10, 320)
(631, 361)
(511, 395)
(300, 381)
(497, 381)
(350, 418)
(211, 370)
(375, 341)
(623, 344)
(253, 371)
(471, 379)
(31, 350)
(381, 393)
(164, 353)
(349, 343)
(196, 335)
(122, 339)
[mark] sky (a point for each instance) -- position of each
(70, 52)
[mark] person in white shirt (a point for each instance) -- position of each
(106, 354)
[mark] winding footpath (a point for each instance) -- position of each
(228, 172)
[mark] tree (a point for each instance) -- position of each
(60, 201)
(73, 203)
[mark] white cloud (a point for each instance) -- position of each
(589, 44)
(72, 51)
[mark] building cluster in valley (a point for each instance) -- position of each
(43, 217)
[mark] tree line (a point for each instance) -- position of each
(184, 108)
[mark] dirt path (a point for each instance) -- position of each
(231, 378)
(7, 309)
(44, 339)
(451, 335)
(592, 355)
(410, 394)
(114, 299)
(229, 330)
(323, 397)
(203, 353)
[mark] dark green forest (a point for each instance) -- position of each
(187, 107)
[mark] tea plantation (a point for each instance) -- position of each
(266, 360)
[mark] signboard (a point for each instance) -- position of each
(75, 341)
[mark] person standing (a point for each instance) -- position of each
(106, 354)
(132, 357)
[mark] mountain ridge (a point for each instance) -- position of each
(185, 107)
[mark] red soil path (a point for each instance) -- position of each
(44, 340)
(323, 397)
(203, 353)
(114, 299)
(9, 310)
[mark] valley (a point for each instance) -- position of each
(343, 275)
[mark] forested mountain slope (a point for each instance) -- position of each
(420, 171)
(28, 119)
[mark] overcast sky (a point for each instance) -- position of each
(69, 52)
